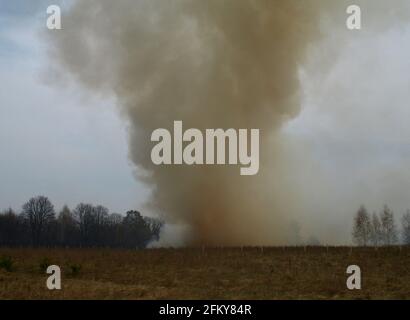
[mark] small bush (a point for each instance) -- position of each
(75, 269)
(6, 263)
(44, 264)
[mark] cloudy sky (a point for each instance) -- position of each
(355, 124)
(59, 140)
(55, 139)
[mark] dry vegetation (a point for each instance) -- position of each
(217, 273)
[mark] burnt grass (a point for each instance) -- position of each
(208, 273)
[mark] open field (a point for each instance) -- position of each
(217, 273)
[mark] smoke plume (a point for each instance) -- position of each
(212, 64)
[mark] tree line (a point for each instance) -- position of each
(380, 229)
(87, 225)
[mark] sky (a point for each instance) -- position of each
(55, 139)
(58, 140)
(354, 125)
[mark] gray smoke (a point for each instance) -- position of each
(212, 64)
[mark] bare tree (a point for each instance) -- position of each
(136, 230)
(114, 219)
(83, 214)
(155, 225)
(114, 231)
(100, 215)
(405, 221)
(362, 227)
(376, 236)
(100, 219)
(68, 234)
(9, 228)
(39, 212)
(389, 230)
(87, 225)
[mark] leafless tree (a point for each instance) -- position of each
(376, 236)
(83, 214)
(67, 227)
(136, 231)
(389, 230)
(99, 222)
(87, 225)
(10, 228)
(100, 215)
(405, 221)
(362, 227)
(114, 219)
(155, 225)
(39, 212)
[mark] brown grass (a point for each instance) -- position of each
(213, 273)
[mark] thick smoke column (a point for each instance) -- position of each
(212, 64)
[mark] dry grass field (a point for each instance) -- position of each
(213, 273)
